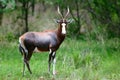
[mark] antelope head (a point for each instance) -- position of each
(63, 22)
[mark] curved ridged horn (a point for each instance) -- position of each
(60, 12)
(67, 12)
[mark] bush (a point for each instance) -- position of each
(10, 36)
(2, 38)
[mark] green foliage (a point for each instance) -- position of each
(8, 5)
(72, 29)
(104, 13)
(10, 37)
(107, 13)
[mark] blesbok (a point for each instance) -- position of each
(49, 40)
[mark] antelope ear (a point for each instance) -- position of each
(70, 20)
(57, 21)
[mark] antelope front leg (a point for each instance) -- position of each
(54, 62)
(49, 61)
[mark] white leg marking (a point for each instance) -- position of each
(54, 62)
(36, 50)
(50, 51)
(63, 28)
(53, 54)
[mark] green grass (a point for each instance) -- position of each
(76, 60)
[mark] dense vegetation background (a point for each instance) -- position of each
(91, 50)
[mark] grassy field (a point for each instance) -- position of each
(76, 60)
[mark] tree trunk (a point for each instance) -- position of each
(25, 15)
(78, 15)
(1, 17)
(1, 12)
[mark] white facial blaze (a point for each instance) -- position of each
(63, 28)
